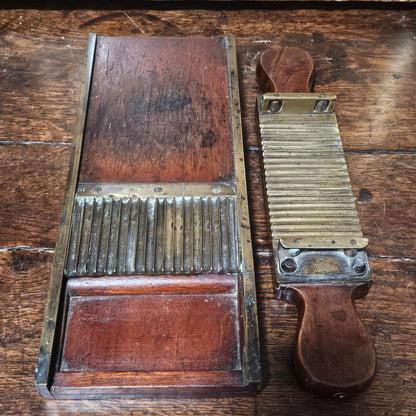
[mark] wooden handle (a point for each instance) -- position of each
(285, 70)
(334, 354)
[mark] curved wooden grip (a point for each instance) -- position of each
(334, 354)
(285, 70)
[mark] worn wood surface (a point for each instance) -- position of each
(285, 69)
(183, 331)
(365, 56)
(170, 124)
(334, 354)
(161, 109)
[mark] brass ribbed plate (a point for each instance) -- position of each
(149, 235)
(309, 194)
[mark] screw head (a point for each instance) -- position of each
(321, 106)
(359, 266)
(275, 106)
(350, 252)
(288, 265)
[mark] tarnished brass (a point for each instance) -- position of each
(147, 235)
(311, 206)
(291, 103)
(308, 188)
(168, 190)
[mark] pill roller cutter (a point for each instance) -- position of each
(319, 250)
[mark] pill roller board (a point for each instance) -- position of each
(152, 289)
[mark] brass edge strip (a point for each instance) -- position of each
(316, 243)
(251, 352)
(48, 337)
(156, 190)
(297, 103)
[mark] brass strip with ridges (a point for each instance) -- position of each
(188, 241)
(130, 236)
(178, 235)
(307, 183)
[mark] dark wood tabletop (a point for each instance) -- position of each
(364, 53)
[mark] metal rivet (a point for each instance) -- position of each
(288, 265)
(321, 106)
(359, 266)
(158, 189)
(275, 106)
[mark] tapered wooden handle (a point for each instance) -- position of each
(285, 70)
(334, 354)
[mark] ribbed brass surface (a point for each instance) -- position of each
(308, 187)
(125, 236)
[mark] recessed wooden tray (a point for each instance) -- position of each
(152, 289)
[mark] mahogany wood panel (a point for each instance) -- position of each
(157, 112)
(141, 333)
(365, 55)
(154, 325)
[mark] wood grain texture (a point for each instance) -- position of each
(157, 112)
(289, 70)
(157, 325)
(366, 56)
(90, 384)
(141, 333)
(32, 181)
(334, 354)
(37, 77)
